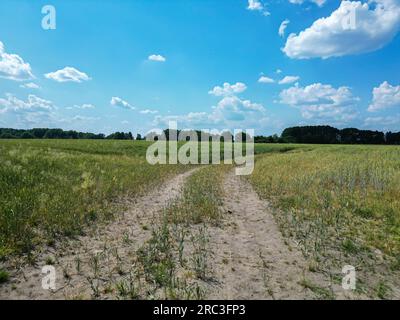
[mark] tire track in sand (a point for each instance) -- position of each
(252, 260)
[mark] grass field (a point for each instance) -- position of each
(340, 204)
(52, 188)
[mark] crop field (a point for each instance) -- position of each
(342, 204)
(53, 188)
(117, 227)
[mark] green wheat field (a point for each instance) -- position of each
(338, 203)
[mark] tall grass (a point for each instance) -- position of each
(340, 202)
(50, 188)
(201, 198)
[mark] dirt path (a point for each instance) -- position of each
(91, 265)
(250, 257)
(252, 260)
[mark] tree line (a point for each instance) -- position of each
(45, 133)
(304, 134)
(331, 135)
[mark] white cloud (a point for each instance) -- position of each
(230, 112)
(264, 79)
(148, 111)
(157, 57)
(321, 102)
(319, 3)
(32, 112)
(118, 102)
(228, 89)
(237, 104)
(232, 109)
(30, 85)
(278, 71)
(353, 28)
(289, 79)
(256, 5)
(385, 96)
(68, 74)
(13, 67)
(12, 104)
(283, 27)
(36, 112)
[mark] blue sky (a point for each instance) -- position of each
(134, 65)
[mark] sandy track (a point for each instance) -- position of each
(252, 260)
(99, 258)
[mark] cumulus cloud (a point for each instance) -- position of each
(118, 102)
(283, 27)
(385, 96)
(256, 5)
(30, 85)
(13, 67)
(220, 119)
(157, 57)
(353, 28)
(322, 102)
(33, 103)
(264, 79)
(68, 74)
(239, 104)
(232, 109)
(228, 89)
(289, 79)
(230, 112)
(34, 111)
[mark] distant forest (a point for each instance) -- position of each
(327, 134)
(305, 134)
(44, 133)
